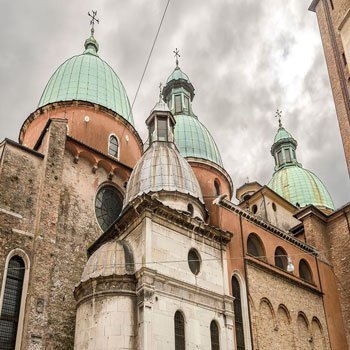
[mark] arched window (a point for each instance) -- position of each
(237, 305)
(217, 187)
(11, 303)
(179, 323)
(305, 271)
(255, 246)
(214, 336)
(113, 146)
(281, 260)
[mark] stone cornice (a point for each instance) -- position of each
(24, 148)
(267, 226)
(103, 286)
(145, 203)
(106, 156)
(313, 5)
(311, 210)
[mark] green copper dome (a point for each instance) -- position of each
(87, 77)
(290, 180)
(178, 74)
(300, 187)
(194, 140)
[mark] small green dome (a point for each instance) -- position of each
(194, 140)
(282, 133)
(178, 74)
(87, 77)
(300, 186)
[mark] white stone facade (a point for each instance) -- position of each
(115, 314)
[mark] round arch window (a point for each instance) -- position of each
(108, 206)
(194, 261)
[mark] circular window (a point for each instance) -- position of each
(194, 261)
(108, 205)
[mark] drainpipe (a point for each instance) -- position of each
(246, 280)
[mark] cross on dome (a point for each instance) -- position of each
(177, 55)
(93, 20)
(279, 116)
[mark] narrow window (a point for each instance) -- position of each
(294, 156)
(214, 336)
(179, 324)
(187, 103)
(190, 209)
(281, 260)
(178, 108)
(332, 5)
(305, 271)
(162, 129)
(279, 156)
(254, 209)
(344, 59)
(288, 156)
(11, 303)
(217, 187)
(113, 146)
(151, 130)
(237, 305)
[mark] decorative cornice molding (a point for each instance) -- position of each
(146, 204)
(267, 226)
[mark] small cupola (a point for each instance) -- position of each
(160, 123)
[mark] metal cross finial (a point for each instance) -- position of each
(160, 92)
(177, 55)
(279, 116)
(93, 20)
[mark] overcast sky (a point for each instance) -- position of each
(245, 59)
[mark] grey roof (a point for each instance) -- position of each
(162, 168)
(112, 258)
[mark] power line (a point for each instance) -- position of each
(149, 56)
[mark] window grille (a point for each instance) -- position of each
(162, 129)
(108, 206)
(214, 336)
(113, 146)
(178, 108)
(11, 303)
(179, 331)
(237, 305)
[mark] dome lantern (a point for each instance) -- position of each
(191, 136)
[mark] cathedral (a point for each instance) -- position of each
(111, 242)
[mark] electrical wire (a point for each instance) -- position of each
(145, 263)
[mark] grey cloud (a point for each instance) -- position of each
(230, 50)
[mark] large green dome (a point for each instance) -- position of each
(87, 77)
(300, 187)
(194, 140)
